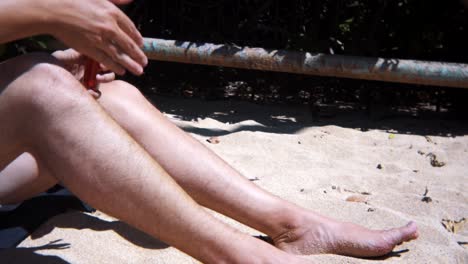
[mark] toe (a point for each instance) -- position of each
(409, 232)
(397, 236)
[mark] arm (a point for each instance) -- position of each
(96, 28)
(20, 19)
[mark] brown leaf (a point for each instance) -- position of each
(356, 199)
(454, 226)
(426, 199)
(434, 161)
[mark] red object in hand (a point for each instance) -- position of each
(91, 70)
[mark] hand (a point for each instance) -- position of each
(74, 62)
(98, 29)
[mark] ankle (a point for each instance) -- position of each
(287, 220)
(292, 224)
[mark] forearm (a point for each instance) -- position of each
(22, 18)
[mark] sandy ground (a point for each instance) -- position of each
(376, 172)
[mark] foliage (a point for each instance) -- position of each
(416, 29)
(407, 29)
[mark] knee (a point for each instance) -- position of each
(125, 103)
(39, 83)
(123, 91)
(120, 94)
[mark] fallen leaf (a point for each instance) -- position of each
(391, 136)
(454, 226)
(434, 161)
(426, 199)
(356, 199)
(379, 166)
(213, 140)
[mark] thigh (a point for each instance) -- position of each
(12, 118)
(19, 171)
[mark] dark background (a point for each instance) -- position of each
(406, 29)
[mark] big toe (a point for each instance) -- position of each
(404, 233)
(409, 232)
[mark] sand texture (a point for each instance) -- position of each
(379, 172)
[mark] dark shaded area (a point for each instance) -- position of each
(17, 224)
(29, 255)
(393, 254)
(79, 221)
(416, 29)
(422, 30)
(291, 118)
(50, 211)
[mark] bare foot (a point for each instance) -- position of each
(316, 234)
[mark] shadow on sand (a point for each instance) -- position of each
(289, 119)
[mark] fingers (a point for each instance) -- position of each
(129, 27)
(105, 77)
(68, 55)
(95, 93)
(123, 50)
(125, 44)
(108, 62)
(123, 59)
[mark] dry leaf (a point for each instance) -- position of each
(434, 161)
(356, 199)
(426, 199)
(454, 226)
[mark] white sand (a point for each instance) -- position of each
(315, 164)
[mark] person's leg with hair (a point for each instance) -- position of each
(27, 182)
(216, 185)
(46, 112)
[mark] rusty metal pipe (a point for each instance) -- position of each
(379, 69)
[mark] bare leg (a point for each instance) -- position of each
(21, 180)
(46, 112)
(216, 185)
